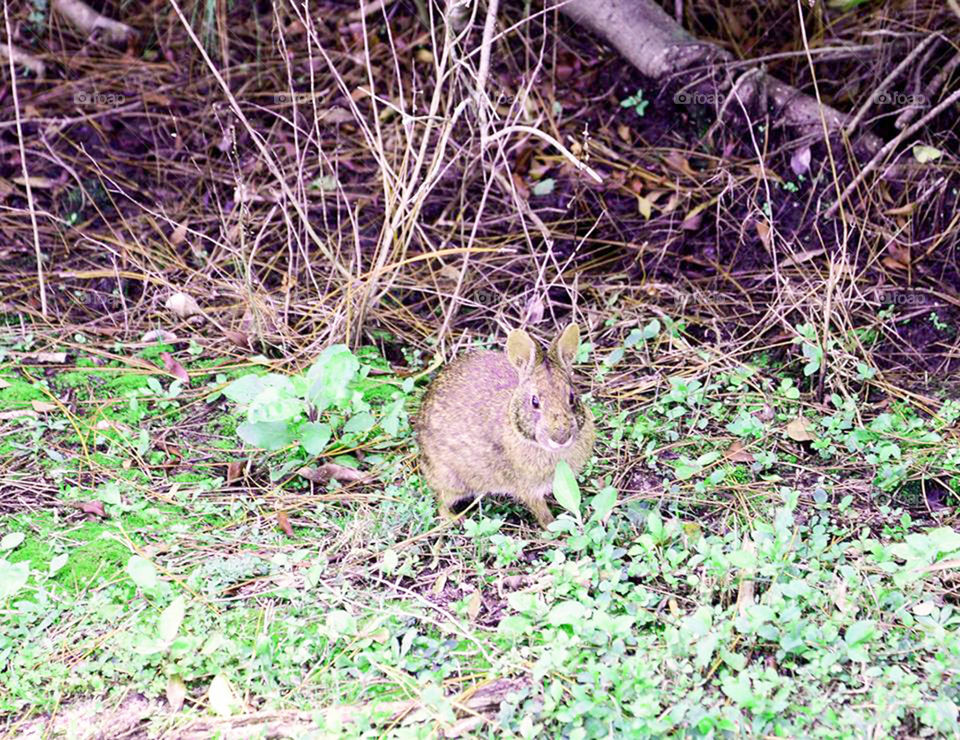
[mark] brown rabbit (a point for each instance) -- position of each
(498, 422)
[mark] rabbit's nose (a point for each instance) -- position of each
(562, 436)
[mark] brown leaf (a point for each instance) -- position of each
(284, 521)
(736, 453)
(18, 414)
(183, 305)
(522, 190)
(174, 368)
(179, 234)
(176, 692)
(325, 472)
(439, 583)
(93, 508)
(899, 253)
(801, 430)
(239, 338)
(43, 183)
(763, 231)
(235, 470)
(533, 313)
(158, 335)
(42, 407)
(54, 358)
(473, 606)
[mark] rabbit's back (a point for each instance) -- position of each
(463, 415)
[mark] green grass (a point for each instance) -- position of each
(744, 596)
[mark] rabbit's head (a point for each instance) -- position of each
(546, 407)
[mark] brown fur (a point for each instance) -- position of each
(479, 432)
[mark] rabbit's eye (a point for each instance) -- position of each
(535, 402)
(573, 398)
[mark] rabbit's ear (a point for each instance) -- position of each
(564, 348)
(521, 351)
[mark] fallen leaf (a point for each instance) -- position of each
(473, 606)
(839, 595)
(179, 234)
(42, 183)
(325, 472)
(176, 692)
(736, 453)
(235, 470)
(923, 153)
(763, 231)
(239, 338)
(522, 190)
(533, 313)
(18, 414)
(800, 161)
(183, 305)
(439, 583)
(158, 335)
(645, 206)
(801, 430)
(800, 257)
(56, 358)
(93, 508)
(220, 696)
(174, 368)
(42, 407)
(284, 521)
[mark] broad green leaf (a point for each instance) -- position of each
(603, 503)
(655, 524)
(142, 571)
(266, 435)
(220, 696)
(244, 389)
(389, 561)
(340, 622)
(567, 612)
(514, 626)
(276, 403)
(544, 186)
(330, 375)
(360, 423)
(859, 632)
(11, 540)
(13, 577)
(57, 563)
(314, 437)
(923, 153)
(565, 488)
(171, 618)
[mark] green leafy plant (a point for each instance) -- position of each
(310, 407)
(636, 102)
